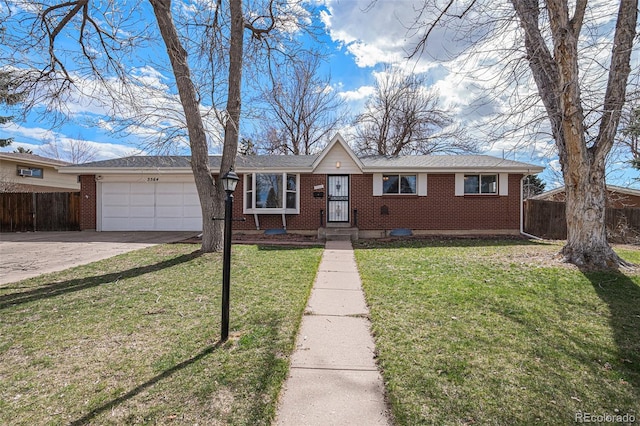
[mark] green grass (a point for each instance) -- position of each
(134, 339)
(499, 333)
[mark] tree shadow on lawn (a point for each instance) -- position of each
(138, 389)
(622, 295)
(262, 335)
(46, 291)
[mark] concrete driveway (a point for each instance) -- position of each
(28, 254)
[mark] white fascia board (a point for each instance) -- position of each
(30, 162)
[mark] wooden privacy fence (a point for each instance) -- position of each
(546, 219)
(50, 211)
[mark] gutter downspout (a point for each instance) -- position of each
(522, 210)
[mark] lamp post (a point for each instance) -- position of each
(229, 183)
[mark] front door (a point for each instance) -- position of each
(338, 198)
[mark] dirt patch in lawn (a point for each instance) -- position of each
(279, 239)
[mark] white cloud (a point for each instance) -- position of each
(34, 138)
(359, 94)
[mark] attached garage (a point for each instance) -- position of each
(148, 204)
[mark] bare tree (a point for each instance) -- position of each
(403, 116)
(108, 35)
(630, 135)
(74, 151)
(563, 51)
(302, 110)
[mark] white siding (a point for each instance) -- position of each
(329, 163)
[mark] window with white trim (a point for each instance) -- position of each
(481, 184)
(399, 184)
(271, 193)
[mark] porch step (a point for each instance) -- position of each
(338, 234)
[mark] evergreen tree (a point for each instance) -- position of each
(8, 96)
(532, 185)
(22, 150)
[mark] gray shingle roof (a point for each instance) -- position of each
(441, 162)
(32, 157)
(175, 161)
(305, 162)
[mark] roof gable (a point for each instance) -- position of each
(338, 158)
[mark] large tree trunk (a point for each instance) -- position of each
(557, 78)
(210, 195)
(587, 244)
(234, 104)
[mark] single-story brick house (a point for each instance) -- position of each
(318, 194)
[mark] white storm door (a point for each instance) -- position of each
(338, 198)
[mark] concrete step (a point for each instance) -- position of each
(339, 237)
(338, 234)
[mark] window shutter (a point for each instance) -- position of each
(459, 184)
(503, 184)
(377, 184)
(422, 184)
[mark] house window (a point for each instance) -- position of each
(399, 184)
(480, 184)
(271, 193)
(26, 171)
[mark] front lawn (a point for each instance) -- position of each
(497, 333)
(134, 339)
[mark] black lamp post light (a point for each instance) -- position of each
(229, 183)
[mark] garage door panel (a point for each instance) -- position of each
(140, 224)
(115, 199)
(142, 200)
(169, 211)
(161, 206)
(141, 211)
(115, 211)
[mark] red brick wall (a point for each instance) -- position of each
(88, 202)
(439, 210)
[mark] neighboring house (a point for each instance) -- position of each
(32, 173)
(325, 193)
(617, 197)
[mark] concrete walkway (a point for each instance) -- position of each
(333, 378)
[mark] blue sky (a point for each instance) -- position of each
(361, 36)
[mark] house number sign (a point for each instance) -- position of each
(153, 179)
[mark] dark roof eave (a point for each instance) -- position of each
(476, 169)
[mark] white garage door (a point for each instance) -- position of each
(150, 206)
